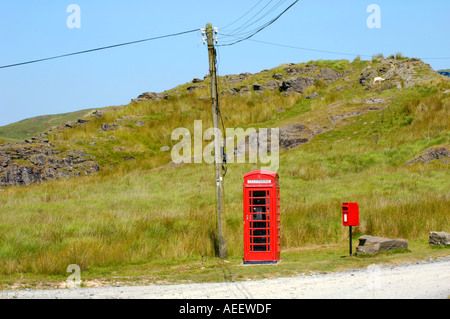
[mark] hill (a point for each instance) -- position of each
(36, 125)
(342, 137)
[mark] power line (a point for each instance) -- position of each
(263, 27)
(309, 49)
(229, 25)
(245, 25)
(328, 51)
(98, 49)
(242, 30)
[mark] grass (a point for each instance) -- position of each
(314, 259)
(135, 219)
(33, 126)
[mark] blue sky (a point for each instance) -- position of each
(37, 29)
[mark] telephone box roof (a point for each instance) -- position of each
(266, 173)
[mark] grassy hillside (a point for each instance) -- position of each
(138, 210)
(33, 126)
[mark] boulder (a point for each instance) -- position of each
(329, 75)
(278, 76)
(192, 88)
(439, 238)
(293, 70)
(106, 127)
(373, 245)
(270, 85)
(150, 96)
(296, 85)
(367, 76)
(313, 96)
(258, 87)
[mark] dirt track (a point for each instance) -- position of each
(426, 280)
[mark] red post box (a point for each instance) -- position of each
(261, 218)
(350, 214)
(350, 218)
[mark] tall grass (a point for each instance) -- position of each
(133, 211)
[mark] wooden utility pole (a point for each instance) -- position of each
(218, 153)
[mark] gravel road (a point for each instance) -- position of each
(424, 280)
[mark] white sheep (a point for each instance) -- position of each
(378, 80)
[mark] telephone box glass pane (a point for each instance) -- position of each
(259, 221)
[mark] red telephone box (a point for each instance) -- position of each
(261, 218)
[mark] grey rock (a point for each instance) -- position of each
(367, 76)
(39, 162)
(270, 85)
(245, 91)
(293, 70)
(375, 100)
(431, 155)
(313, 96)
(231, 91)
(278, 76)
(107, 127)
(296, 85)
(439, 239)
(258, 87)
(192, 88)
(373, 245)
(150, 96)
(329, 75)
(140, 123)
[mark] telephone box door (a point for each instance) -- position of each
(258, 225)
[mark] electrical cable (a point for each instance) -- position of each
(328, 51)
(99, 49)
(245, 25)
(261, 28)
(245, 33)
(229, 25)
(309, 49)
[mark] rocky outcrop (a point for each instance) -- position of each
(292, 70)
(396, 73)
(373, 245)
(297, 85)
(431, 155)
(296, 80)
(150, 96)
(329, 75)
(25, 164)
